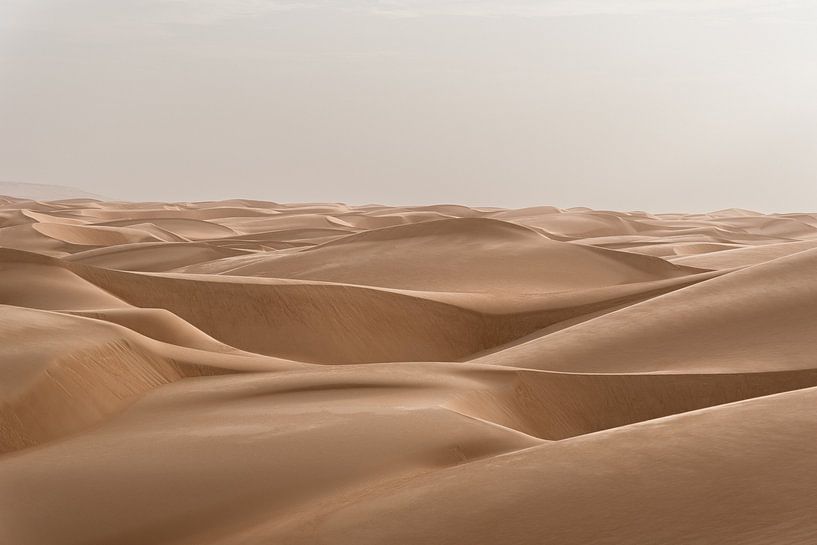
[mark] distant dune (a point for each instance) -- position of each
(255, 373)
(43, 192)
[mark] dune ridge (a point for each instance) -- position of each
(249, 372)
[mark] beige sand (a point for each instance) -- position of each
(246, 372)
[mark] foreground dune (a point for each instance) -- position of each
(245, 372)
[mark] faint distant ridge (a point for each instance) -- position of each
(44, 192)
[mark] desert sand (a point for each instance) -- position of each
(254, 373)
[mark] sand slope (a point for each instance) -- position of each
(759, 318)
(246, 372)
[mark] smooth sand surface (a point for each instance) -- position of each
(253, 373)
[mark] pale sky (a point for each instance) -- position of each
(621, 104)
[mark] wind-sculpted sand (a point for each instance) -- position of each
(253, 373)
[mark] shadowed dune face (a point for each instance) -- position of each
(251, 372)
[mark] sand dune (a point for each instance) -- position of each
(152, 256)
(246, 372)
(700, 477)
(759, 318)
(77, 371)
(85, 235)
(745, 256)
(463, 254)
(191, 229)
(35, 281)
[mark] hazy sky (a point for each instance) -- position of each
(624, 104)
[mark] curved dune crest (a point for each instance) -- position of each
(76, 371)
(159, 324)
(464, 254)
(755, 319)
(613, 486)
(152, 256)
(745, 256)
(80, 371)
(188, 228)
(307, 322)
(35, 281)
(86, 235)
